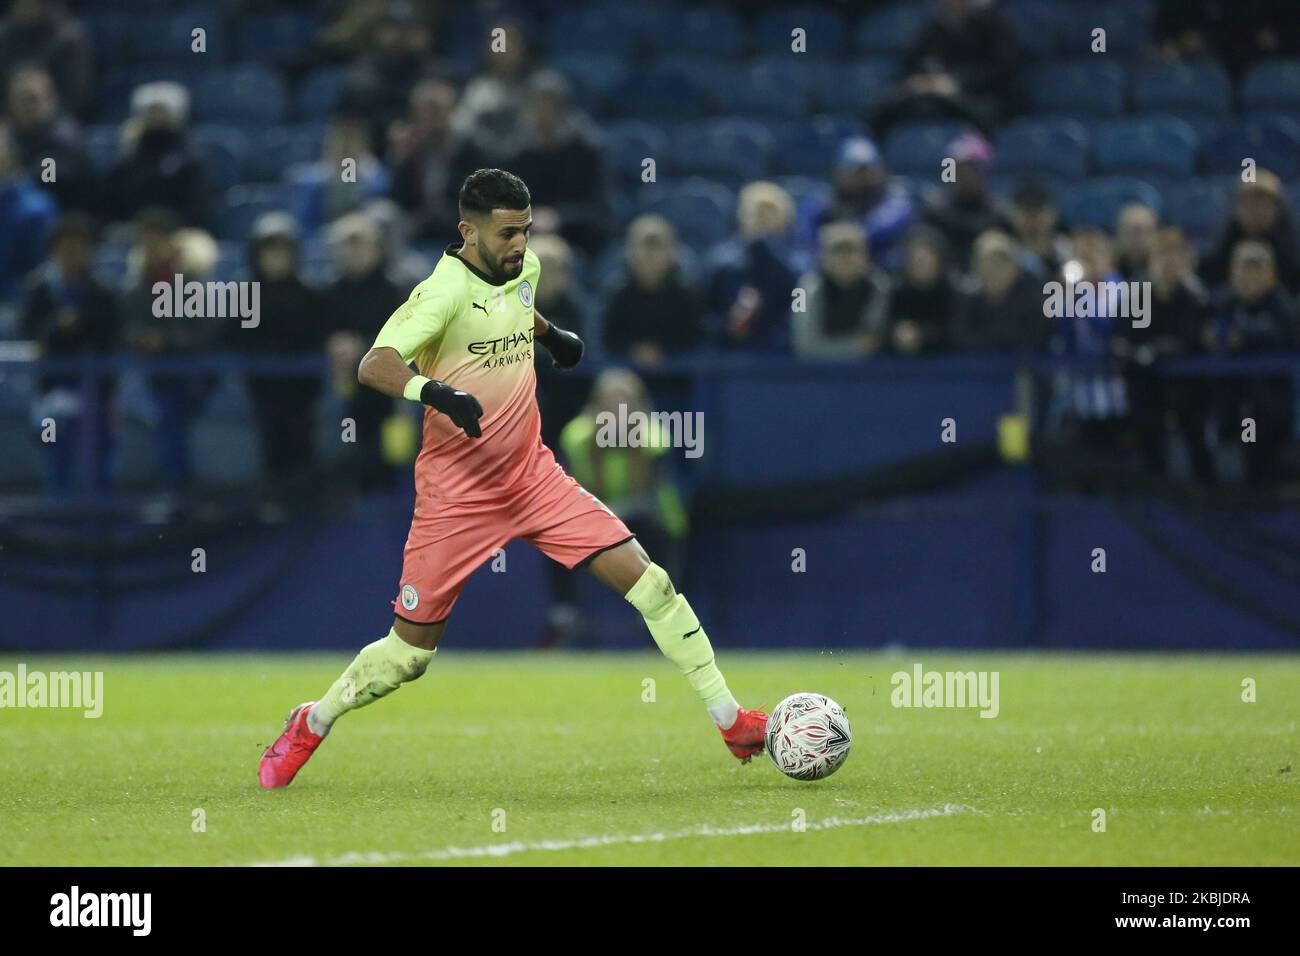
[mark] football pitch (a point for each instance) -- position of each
(609, 759)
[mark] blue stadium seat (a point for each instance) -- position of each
(595, 76)
(1127, 24)
(663, 94)
(825, 31)
(1178, 88)
(891, 30)
(1199, 207)
(269, 36)
(702, 32)
(1045, 147)
(920, 147)
(1165, 147)
(1079, 88)
(1098, 201)
(629, 143)
(169, 38)
(250, 95)
(850, 86)
(767, 90)
(1272, 141)
(728, 150)
(804, 189)
(807, 147)
(582, 30)
(101, 142)
(1272, 85)
(225, 151)
(702, 211)
(318, 92)
(244, 203)
(274, 150)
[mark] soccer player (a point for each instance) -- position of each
(483, 476)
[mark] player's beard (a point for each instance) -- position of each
(501, 270)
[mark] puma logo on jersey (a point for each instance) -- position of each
(477, 306)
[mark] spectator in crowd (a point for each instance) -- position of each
(360, 302)
(1256, 315)
(26, 214)
(562, 161)
(1176, 321)
(291, 322)
(347, 174)
(846, 310)
(1002, 311)
(559, 395)
(397, 48)
(1135, 231)
(752, 275)
(1259, 212)
(160, 255)
(159, 167)
(70, 315)
(961, 66)
(1093, 402)
(44, 34)
(407, 265)
(1237, 33)
(965, 208)
(653, 315)
(493, 102)
(864, 193)
(430, 161)
(1034, 222)
(633, 481)
(924, 297)
(48, 142)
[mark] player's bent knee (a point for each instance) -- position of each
(653, 593)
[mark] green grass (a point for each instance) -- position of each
(1187, 773)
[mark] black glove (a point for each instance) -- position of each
(461, 407)
(565, 347)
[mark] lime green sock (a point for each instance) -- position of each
(678, 632)
(377, 671)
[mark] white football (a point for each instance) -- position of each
(808, 736)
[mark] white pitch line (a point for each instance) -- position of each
(615, 839)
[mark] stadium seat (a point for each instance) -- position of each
(825, 31)
(663, 94)
(1098, 201)
(101, 142)
(271, 36)
(729, 150)
(920, 147)
(699, 32)
(891, 30)
(246, 202)
(1272, 85)
(1273, 142)
(767, 90)
(595, 76)
(804, 189)
(850, 86)
(225, 152)
(580, 30)
(1178, 88)
(318, 92)
(1044, 146)
(274, 150)
(169, 38)
(1075, 88)
(702, 211)
(1199, 207)
(630, 143)
(248, 95)
(807, 147)
(1165, 147)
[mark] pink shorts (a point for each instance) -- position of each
(449, 540)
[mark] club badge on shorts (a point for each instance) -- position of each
(526, 294)
(410, 599)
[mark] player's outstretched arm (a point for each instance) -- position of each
(565, 346)
(383, 370)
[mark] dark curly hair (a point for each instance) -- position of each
(488, 189)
